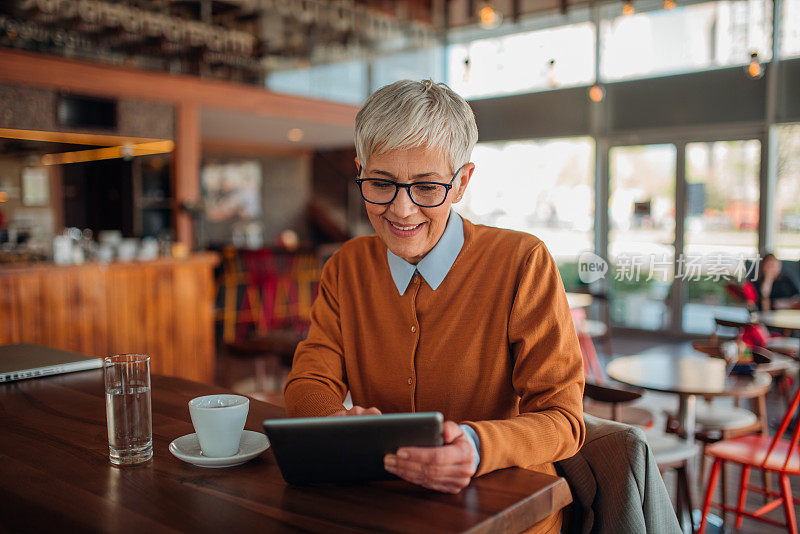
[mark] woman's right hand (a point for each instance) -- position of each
(357, 410)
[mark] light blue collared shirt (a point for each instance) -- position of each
(436, 263)
(434, 268)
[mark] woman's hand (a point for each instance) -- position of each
(448, 469)
(357, 410)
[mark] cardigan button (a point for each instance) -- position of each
(410, 381)
(413, 328)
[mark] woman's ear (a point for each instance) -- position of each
(358, 167)
(463, 179)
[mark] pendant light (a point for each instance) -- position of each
(597, 93)
(488, 16)
(627, 8)
(754, 69)
(551, 73)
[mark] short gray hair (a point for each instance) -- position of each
(409, 114)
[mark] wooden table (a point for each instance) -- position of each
(55, 476)
(579, 300)
(783, 319)
(686, 376)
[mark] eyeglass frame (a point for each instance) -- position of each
(407, 187)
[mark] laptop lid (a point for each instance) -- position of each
(24, 360)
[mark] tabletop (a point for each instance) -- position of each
(579, 300)
(55, 475)
(786, 319)
(686, 375)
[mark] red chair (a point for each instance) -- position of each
(591, 363)
(775, 454)
(753, 333)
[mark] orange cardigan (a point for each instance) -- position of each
(493, 346)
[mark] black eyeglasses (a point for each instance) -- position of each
(423, 194)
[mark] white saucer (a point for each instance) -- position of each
(187, 448)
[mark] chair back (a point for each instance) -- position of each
(745, 293)
(791, 412)
(611, 395)
(753, 334)
(762, 356)
(729, 324)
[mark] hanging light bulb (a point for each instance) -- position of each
(551, 73)
(466, 69)
(488, 16)
(627, 8)
(754, 69)
(669, 4)
(597, 93)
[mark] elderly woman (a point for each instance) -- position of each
(434, 313)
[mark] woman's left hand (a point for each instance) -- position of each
(448, 468)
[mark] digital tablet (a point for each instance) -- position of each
(347, 449)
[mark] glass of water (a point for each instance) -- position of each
(130, 431)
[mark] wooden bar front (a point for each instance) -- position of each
(163, 308)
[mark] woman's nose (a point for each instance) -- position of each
(402, 205)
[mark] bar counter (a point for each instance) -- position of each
(163, 308)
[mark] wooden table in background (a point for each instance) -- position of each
(579, 300)
(55, 476)
(686, 376)
(783, 319)
(164, 308)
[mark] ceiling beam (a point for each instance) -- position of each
(27, 68)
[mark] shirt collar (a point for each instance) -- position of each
(436, 263)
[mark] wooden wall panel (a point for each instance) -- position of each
(31, 316)
(10, 326)
(162, 308)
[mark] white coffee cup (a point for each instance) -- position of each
(219, 421)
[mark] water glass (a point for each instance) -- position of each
(130, 432)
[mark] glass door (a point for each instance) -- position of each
(641, 239)
(721, 229)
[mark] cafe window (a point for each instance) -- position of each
(411, 65)
(543, 187)
(787, 192)
(790, 29)
(684, 39)
(523, 62)
(338, 82)
(721, 229)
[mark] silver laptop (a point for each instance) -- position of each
(18, 362)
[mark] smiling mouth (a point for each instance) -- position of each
(405, 228)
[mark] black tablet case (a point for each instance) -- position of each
(347, 449)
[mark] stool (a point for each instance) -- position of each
(672, 452)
